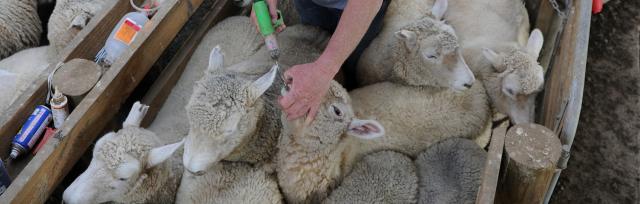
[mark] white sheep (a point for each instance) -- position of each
(311, 157)
(381, 177)
(450, 171)
(416, 117)
(68, 18)
(129, 166)
(233, 114)
(20, 71)
(493, 35)
(20, 26)
(229, 182)
(427, 42)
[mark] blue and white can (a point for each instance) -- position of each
(31, 131)
(5, 180)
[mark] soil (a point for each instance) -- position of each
(605, 161)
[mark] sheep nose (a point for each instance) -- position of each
(468, 85)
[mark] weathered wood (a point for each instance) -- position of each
(51, 164)
(77, 77)
(84, 46)
(531, 152)
(162, 87)
(487, 192)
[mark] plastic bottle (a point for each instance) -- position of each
(59, 108)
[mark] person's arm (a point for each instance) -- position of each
(310, 82)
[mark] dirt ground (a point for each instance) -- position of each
(605, 159)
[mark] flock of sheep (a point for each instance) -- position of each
(412, 133)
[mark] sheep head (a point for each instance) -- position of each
(223, 113)
(517, 79)
(121, 163)
(427, 53)
(335, 119)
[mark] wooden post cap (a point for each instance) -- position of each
(532, 152)
(533, 146)
(77, 77)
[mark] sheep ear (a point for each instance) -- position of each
(216, 59)
(409, 38)
(493, 58)
(263, 83)
(439, 8)
(534, 44)
(136, 114)
(80, 21)
(365, 129)
(160, 154)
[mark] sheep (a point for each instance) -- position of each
(68, 18)
(450, 171)
(417, 117)
(495, 39)
(19, 71)
(20, 26)
(382, 177)
(427, 41)
(229, 182)
(129, 166)
(311, 157)
(233, 116)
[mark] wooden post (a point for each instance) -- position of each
(532, 152)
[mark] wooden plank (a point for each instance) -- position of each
(36, 182)
(82, 46)
(161, 88)
(564, 85)
(489, 183)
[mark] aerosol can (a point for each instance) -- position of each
(267, 28)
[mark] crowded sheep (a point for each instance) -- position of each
(412, 131)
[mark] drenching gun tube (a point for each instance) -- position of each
(267, 28)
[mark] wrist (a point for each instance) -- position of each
(328, 66)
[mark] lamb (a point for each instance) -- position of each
(382, 177)
(19, 71)
(233, 114)
(68, 18)
(129, 166)
(424, 104)
(20, 26)
(493, 35)
(229, 182)
(426, 37)
(311, 157)
(450, 171)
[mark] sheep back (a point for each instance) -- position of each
(382, 177)
(20, 26)
(450, 171)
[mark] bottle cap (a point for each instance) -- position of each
(14, 153)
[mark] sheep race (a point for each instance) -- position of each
(381, 101)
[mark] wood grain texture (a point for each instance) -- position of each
(51, 164)
(491, 171)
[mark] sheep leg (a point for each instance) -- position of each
(137, 113)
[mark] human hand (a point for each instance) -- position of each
(273, 12)
(308, 83)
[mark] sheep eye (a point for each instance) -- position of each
(432, 57)
(337, 111)
(122, 179)
(511, 92)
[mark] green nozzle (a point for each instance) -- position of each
(264, 19)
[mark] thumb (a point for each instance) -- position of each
(312, 114)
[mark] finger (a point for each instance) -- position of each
(281, 28)
(311, 115)
(297, 110)
(287, 100)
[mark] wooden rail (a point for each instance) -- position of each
(489, 184)
(39, 178)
